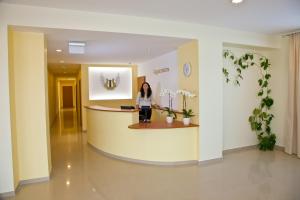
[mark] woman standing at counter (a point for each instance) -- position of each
(144, 102)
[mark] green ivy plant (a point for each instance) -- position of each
(261, 117)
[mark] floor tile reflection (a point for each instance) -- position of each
(79, 172)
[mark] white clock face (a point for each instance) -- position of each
(187, 69)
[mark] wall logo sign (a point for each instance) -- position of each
(107, 83)
(110, 83)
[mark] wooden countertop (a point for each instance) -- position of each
(162, 109)
(102, 108)
(160, 125)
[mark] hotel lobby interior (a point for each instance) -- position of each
(150, 100)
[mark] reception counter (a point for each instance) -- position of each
(117, 133)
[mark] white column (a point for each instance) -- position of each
(6, 163)
(211, 99)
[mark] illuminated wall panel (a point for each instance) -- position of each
(106, 83)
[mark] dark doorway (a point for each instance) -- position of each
(68, 97)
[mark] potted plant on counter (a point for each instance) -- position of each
(187, 113)
(171, 115)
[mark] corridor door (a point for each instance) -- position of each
(67, 94)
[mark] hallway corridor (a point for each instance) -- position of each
(79, 172)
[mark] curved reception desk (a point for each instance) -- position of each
(117, 133)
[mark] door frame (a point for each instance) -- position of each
(66, 82)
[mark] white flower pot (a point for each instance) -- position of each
(186, 121)
(169, 120)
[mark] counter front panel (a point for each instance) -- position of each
(108, 131)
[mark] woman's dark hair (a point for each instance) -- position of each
(149, 91)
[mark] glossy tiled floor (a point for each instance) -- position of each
(81, 173)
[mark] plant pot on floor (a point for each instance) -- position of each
(186, 121)
(169, 120)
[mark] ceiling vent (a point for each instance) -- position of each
(76, 47)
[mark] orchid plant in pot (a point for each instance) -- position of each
(187, 113)
(171, 115)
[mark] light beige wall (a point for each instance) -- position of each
(211, 41)
(29, 91)
(108, 103)
(188, 53)
(238, 102)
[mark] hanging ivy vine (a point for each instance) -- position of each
(261, 117)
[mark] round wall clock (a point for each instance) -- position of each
(187, 69)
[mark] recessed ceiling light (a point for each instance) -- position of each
(76, 47)
(58, 50)
(73, 43)
(236, 1)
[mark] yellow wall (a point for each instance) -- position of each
(29, 105)
(52, 92)
(67, 82)
(158, 145)
(108, 103)
(47, 106)
(78, 100)
(13, 114)
(188, 53)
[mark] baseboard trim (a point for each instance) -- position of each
(34, 180)
(18, 188)
(54, 120)
(7, 194)
(145, 162)
(227, 151)
(279, 148)
(23, 182)
(210, 162)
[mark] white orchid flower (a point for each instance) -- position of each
(179, 91)
(186, 93)
(165, 92)
(192, 95)
(172, 94)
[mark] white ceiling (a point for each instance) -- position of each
(262, 16)
(104, 47)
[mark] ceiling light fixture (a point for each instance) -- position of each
(236, 1)
(81, 44)
(76, 47)
(58, 50)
